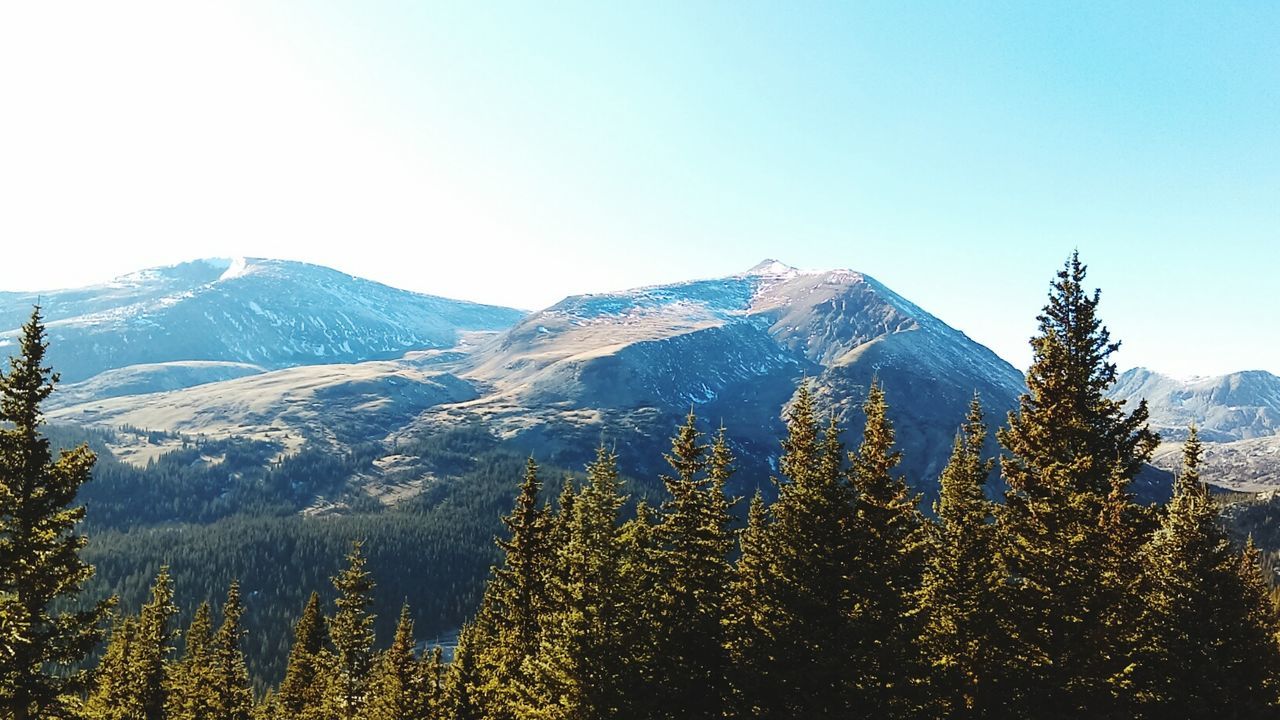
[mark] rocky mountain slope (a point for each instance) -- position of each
(621, 367)
(268, 313)
(1238, 415)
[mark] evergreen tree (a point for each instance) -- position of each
(115, 695)
(505, 635)
(40, 565)
(351, 634)
(890, 556)
(579, 671)
(1071, 453)
(232, 696)
(188, 684)
(694, 540)
(398, 690)
(795, 641)
(1205, 650)
(302, 692)
(959, 598)
(130, 680)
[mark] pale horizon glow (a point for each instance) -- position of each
(513, 154)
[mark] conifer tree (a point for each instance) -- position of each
(1204, 650)
(796, 583)
(232, 694)
(40, 566)
(130, 680)
(398, 690)
(188, 684)
(115, 695)
(580, 667)
(302, 692)
(1071, 452)
(694, 539)
(351, 635)
(506, 632)
(959, 599)
(890, 555)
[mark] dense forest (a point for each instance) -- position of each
(836, 598)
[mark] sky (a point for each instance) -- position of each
(515, 153)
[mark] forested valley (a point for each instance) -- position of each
(1036, 586)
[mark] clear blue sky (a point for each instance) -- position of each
(517, 152)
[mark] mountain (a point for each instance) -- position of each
(633, 362)
(1238, 406)
(267, 313)
(1238, 415)
(621, 367)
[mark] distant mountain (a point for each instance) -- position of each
(267, 313)
(733, 348)
(623, 367)
(1238, 406)
(1238, 415)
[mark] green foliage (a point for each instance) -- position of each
(40, 563)
(351, 637)
(962, 631)
(1068, 528)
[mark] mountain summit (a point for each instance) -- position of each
(268, 313)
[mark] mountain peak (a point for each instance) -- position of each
(769, 266)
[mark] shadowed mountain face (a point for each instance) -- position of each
(620, 367)
(632, 363)
(267, 313)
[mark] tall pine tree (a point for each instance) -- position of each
(130, 680)
(1207, 644)
(694, 540)
(1071, 451)
(960, 599)
(351, 634)
(302, 692)
(794, 635)
(40, 567)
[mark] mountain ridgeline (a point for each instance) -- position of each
(373, 365)
(837, 598)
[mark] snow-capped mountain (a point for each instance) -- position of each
(1238, 406)
(734, 349)
(267, 313)
(623, 367)
(1237, 415)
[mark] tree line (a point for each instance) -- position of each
(838, 599)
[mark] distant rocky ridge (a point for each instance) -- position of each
(621, 367)
(1237, 414)
(268, 313)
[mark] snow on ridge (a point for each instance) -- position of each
(237, 268)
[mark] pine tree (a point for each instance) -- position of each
(890, 556)
(793, 637)
(960, 599)
(505, 634)
(351, 634)
(397, 690)
(188, 684)
(130, 680)
(232, 695)
(1071, 453)
(115, 695)
(580, 667)
(1207, 644)
(694, 540)
(40, 566)
(302, 692)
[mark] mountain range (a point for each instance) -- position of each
(1238, 415)
(308, 356)
(305, 356)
